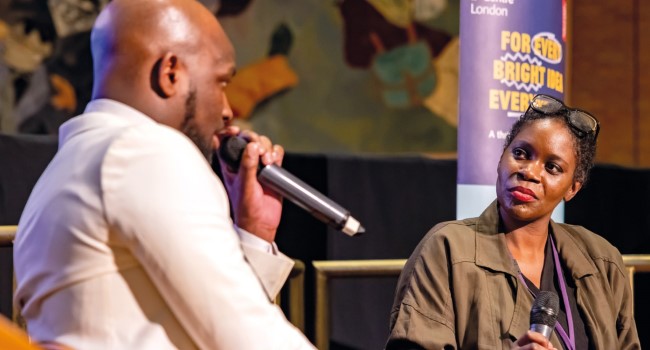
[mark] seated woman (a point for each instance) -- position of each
(470, 284)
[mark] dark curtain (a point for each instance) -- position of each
(22, 160)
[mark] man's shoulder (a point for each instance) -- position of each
(113, 121)
(153, 133)
(147, 139)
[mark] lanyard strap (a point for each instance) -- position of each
(569, 340)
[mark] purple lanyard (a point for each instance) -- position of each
(569, 340)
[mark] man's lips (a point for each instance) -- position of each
(215, 142)
(523, 194)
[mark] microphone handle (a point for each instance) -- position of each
(308, 198)
(546, 330)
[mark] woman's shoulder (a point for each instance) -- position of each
(452, 237)
(452, 230)
(589, 238)
(596, 246)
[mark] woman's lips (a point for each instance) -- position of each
(523, 194)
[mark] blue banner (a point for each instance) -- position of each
(510, 50)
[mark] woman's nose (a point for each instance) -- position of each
(530, 171)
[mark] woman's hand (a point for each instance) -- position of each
(532, 340)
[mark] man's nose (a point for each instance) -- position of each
(227, 113)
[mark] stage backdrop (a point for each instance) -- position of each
(511, 50)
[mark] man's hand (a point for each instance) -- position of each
(256, 209)
(532, 340)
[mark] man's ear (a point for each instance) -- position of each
(572, 191)
(165, 75)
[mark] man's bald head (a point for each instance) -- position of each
(128, 27)
(132, 41)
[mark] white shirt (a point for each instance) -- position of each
(126, 242)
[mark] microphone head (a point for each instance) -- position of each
(545, 309)
(230, 151)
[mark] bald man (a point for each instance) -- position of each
(126, 241)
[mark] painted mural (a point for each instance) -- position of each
(376, 76)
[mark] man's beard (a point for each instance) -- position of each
(191, 130)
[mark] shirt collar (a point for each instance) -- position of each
(492, 251)
(101, 112)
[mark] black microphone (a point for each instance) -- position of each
(543, 315)
(292, 188)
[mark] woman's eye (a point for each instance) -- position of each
(519, 153)
(553, 168)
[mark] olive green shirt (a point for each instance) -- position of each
(459, 289)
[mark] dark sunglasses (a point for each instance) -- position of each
(580, 121)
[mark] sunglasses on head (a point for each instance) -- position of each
(581, 122)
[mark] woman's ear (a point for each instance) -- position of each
(165, 75)
(572, 191)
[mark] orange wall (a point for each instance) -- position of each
(610, 75)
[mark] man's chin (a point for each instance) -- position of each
(205, 146)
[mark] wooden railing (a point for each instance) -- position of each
(7, 234)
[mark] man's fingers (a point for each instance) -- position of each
(265, 142)
(249, 135)
(266, 150)
(266, 146)
(250, 158)
(278, 154)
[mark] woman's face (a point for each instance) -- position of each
(536, 172)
